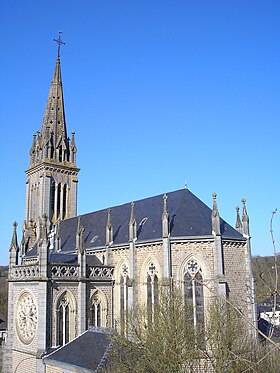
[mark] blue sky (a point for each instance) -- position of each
(159, 92)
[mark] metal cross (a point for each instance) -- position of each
(59, 43)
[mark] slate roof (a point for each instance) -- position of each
(189, 217)
(65, 258)
(86, 352)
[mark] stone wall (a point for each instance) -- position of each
(23, 362)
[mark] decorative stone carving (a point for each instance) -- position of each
(192, 267)
(152, 271)
(98, 272)
(124, 270)
(64, 271)
(25, 272)
(26, 318)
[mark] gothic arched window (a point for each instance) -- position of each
(98, 310)
(152, 291)
(123, 297)
(193, 292)
(60, 154)
(65, 320)
(63, 324)
(58, 201)
(64, 201)
(52, 200)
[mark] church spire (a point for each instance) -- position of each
(54, 131)
(52, 173)
(52, 142)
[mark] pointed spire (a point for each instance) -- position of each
(14, 248)
(78, 226)
(132, 223)
(109, 224)
(80, 237)
(165, 218)
(23, 242)
(54, 123)
(33, 149)
(238, 225)
(215, 216)
(73, 149)
(132, 213)
(57, 236)
(165, 213)
(215, 211)
(14, 241)
(109, 229)
(245, 218)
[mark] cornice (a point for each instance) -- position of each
(53, 166)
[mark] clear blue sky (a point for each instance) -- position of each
(158, 92)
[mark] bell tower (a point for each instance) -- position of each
(51, 187)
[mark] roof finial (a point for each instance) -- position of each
(132, 214)
(109, 224)
(215, 211)
(216, 230)
(245, 218)
(165, 211)
(238, 224)
(14, 237)
(59, 43)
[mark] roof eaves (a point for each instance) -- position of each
(235, 239)
(62, 364)
(192, 238)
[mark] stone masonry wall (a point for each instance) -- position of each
(237, 273)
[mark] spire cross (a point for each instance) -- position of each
(59, 43)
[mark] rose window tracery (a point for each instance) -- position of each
(192, 267)
(26, 321)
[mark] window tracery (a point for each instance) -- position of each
(193, 292)
(152, 290)
(98, 310)
(123, 295)
(65, 319)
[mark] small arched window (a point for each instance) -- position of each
(98, 310)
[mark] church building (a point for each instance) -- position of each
(69, 273)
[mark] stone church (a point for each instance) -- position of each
(71, 272)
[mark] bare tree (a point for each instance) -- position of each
(168, 341)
